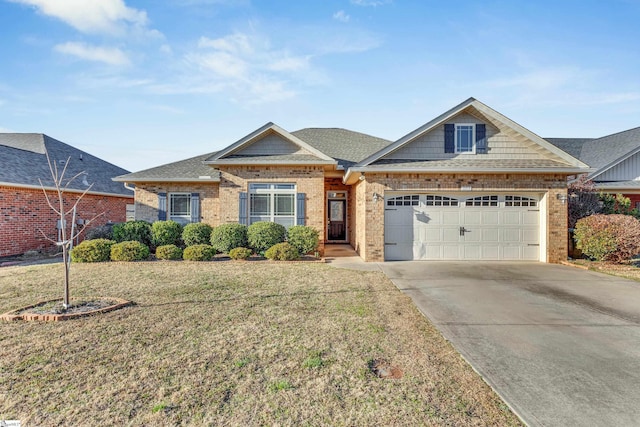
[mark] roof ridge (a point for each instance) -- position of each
(618, 133)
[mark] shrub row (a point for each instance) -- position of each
(612, 238)
(101, 250)
(259, 236)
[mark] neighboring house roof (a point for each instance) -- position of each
(238, 153)
(605, 152)
(572, 146)
(346, 146)
(24, 163)
(189, 170)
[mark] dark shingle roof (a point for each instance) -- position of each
(183, 170)
(346, 146)
(572, 146)
(24, 161)
(602, 151)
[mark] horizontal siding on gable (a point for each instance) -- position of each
(627, 170)
(502, 144)
(271, 145)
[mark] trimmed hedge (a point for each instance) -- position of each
(262, 235)
(612, 238)
(169, 252)
(139, 231)
(282, 252)
(100, 232)
(240, 253)
(96, 250)
(199, 253)
(165, 233)
(197, 233)
(304, 239)
(228, 236)
(131, 250)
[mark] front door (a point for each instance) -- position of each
(337, 220)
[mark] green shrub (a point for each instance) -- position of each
(131, 250)
(282, 252)
(612, 238)
(240, 253)
(199, 253)
(171, 252)
(262, 235)
(197, 233)
(165, 233)
(140, 231)
(100, 232)
(228, 236)
(96, 250)
(304, 239)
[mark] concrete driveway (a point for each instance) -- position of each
(560, 345)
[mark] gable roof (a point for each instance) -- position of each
(345, 146)
(24, 161)
(188, 170)
(485, 110)
(230, 154)
(608, 151)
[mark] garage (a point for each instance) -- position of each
(462, 227)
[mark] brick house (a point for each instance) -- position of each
(24, 212)
(470, 184)
(614, 159)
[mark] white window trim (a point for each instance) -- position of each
(272, 191)
(170, 215)
(473, 138)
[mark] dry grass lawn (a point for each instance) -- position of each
(628, 270)
(227, 343)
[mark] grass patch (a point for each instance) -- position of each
(276, 345)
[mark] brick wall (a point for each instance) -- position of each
(25, 212)
(147, 199)
(369, 219)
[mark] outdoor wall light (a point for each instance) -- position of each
(562, 197)
(361, 178)
(376, 197)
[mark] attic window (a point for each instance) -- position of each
(465, 138)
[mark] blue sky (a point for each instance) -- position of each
(143, 83)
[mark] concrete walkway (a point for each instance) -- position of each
(344, 256)
(560, 345)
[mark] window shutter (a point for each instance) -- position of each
(481, 139)
(300, 208)
(242, 209)
(449, 138)
(162, 206)
(195, 207)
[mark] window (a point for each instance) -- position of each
(412, 200)
(519, 201)
(440, 201)
(464, 138)
(273, 203)
(180, 207)
(482, 201)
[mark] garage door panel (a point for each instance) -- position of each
(431, 229)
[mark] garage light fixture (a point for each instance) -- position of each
(376, 197)
(562, 197)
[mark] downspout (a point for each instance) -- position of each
(128, 187)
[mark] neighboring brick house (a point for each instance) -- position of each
(470, 184)
(614, 159)
(24, 212)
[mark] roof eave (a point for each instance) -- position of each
(240, 162)
(134, 180)
(67, 190)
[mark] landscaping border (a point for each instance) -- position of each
(31, 317)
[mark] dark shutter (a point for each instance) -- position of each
(242, 209)
(195, 207)
(449, 138)
(481, 139)
(300, 208)
(162, 206)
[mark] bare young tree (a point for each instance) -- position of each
(65, 237)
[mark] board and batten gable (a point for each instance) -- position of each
(626, 170)
(503, 143)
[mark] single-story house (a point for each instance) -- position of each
(471, 184)
(24, 212)
(615, 160)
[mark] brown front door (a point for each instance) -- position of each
(337, 220)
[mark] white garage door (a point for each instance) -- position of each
(457, 227)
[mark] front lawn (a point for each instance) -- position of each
(226, 343)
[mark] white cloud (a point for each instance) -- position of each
(373, 3)
(107, 55)
(223, 64)
(341, 16)
(112, 17)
